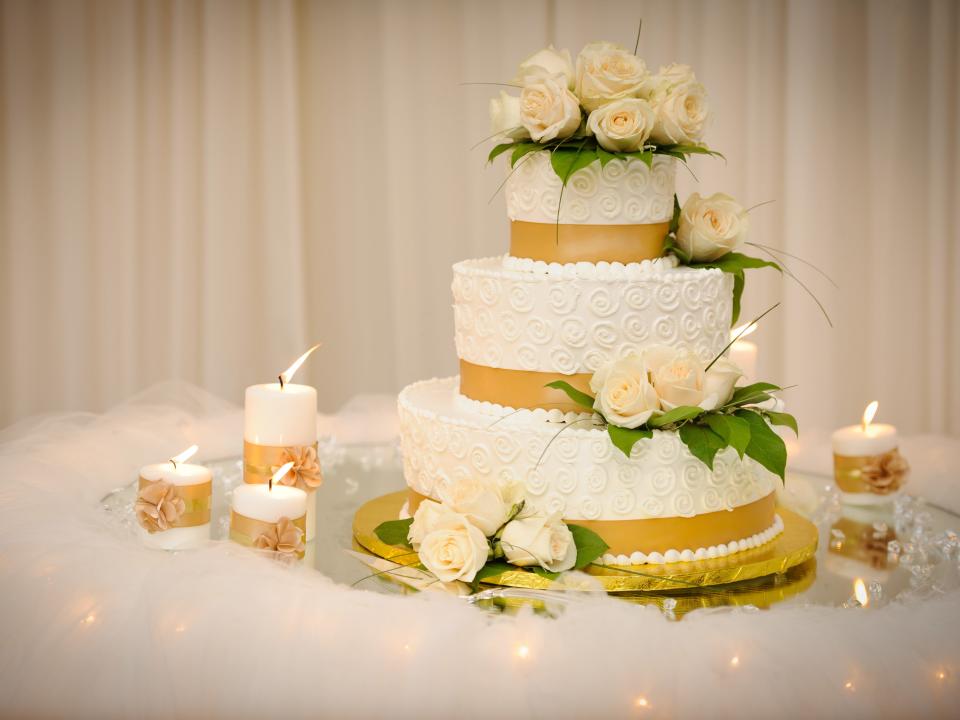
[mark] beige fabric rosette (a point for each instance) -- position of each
(159, 506)
(305, 473)
(283, 537)
(885, 473)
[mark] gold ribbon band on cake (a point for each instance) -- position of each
(260, 462)
(673, 533)
(519, 388)
(568, 243)
(196, 500)
(247, 530)
(878, 474)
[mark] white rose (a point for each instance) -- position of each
(677, 377)
(505, 117)
(682, 114)
(624, 395)
(548, 110)
(455, 550)
(606, 72)
(711, 227)
(622, 125)
(484, 503)
(669, 77)
(546, 63)
(721, 379)
(426, 519)
(539, 539)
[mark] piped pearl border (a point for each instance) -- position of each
(662, 267)
(541, 414)
(714, 551)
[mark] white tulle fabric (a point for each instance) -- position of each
(94, 625)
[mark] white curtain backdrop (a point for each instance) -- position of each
(201, 190)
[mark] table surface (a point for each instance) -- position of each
(853, 541)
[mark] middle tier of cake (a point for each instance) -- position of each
(657, 505)
(521, 324)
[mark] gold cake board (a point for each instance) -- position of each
(794, 546)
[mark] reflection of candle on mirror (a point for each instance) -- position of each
(743, 352)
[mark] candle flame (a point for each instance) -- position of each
(869, 413)
(860, 592)
(743, 330)
(184, 456)
(279, 474)
(287, 374)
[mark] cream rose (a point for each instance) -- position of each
(548, 110)
(622, 125)
(677, 377)
(720, 380)
(505, 117)
(711, 227)
(669, 77)
(682, 114)
(486, 504)
(447, 543)
(546, 63)
(539, 539)
(624, 395)
(427, 517)
(606, 72)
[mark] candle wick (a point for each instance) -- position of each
(174, 463)
(280, 377)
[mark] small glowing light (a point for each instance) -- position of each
(523, 652)
(89, 619)
(848, 685)
(287, 374)
(407, 648)
(642, 702)
(279, 474)
(860, 592)
(743, 330)
(868, 414)
(941, 675)
(735, 661)
(184, 456)
(179, 628)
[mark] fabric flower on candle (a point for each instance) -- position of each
(283, 537)
(885, 474)
(159, 506)
(305, 473)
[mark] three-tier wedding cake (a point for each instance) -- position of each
(592, 366)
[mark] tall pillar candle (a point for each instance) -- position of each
(173, 504)
(270, 517)
(280, 426)
(868, 467)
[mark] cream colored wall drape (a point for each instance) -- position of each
(200, 190)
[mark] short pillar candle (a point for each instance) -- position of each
(868, 467)
(270, 517)
(173, 503)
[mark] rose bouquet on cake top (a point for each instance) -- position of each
(482, 527)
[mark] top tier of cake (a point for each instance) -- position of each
(618, 212)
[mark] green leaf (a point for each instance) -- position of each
(734, 431)
(738, 284)
(646, 156)
(522, 149)
(394, 532)
(766, 447)
(684, 150)
(625, 438)
(756, 392)
(590, 546)
(499, 150)
(566, 161)
(578, 396)
(545, 573)
(604, 156)
(678, 414)
(784, 419)
(675, 220)
(702, 442)
(492, 569)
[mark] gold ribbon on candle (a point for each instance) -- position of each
(260, 462)
(158, 498)
(276, 536)
(520, 388)
(626, 537)
(569, 243)
(878, 474)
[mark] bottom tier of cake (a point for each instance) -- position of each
(659, 505)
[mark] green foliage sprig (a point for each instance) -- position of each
(740, 423)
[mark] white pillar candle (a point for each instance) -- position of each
(184, 476)
(855, 441)
(744, 354)
(858, 447)
(260, 502)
